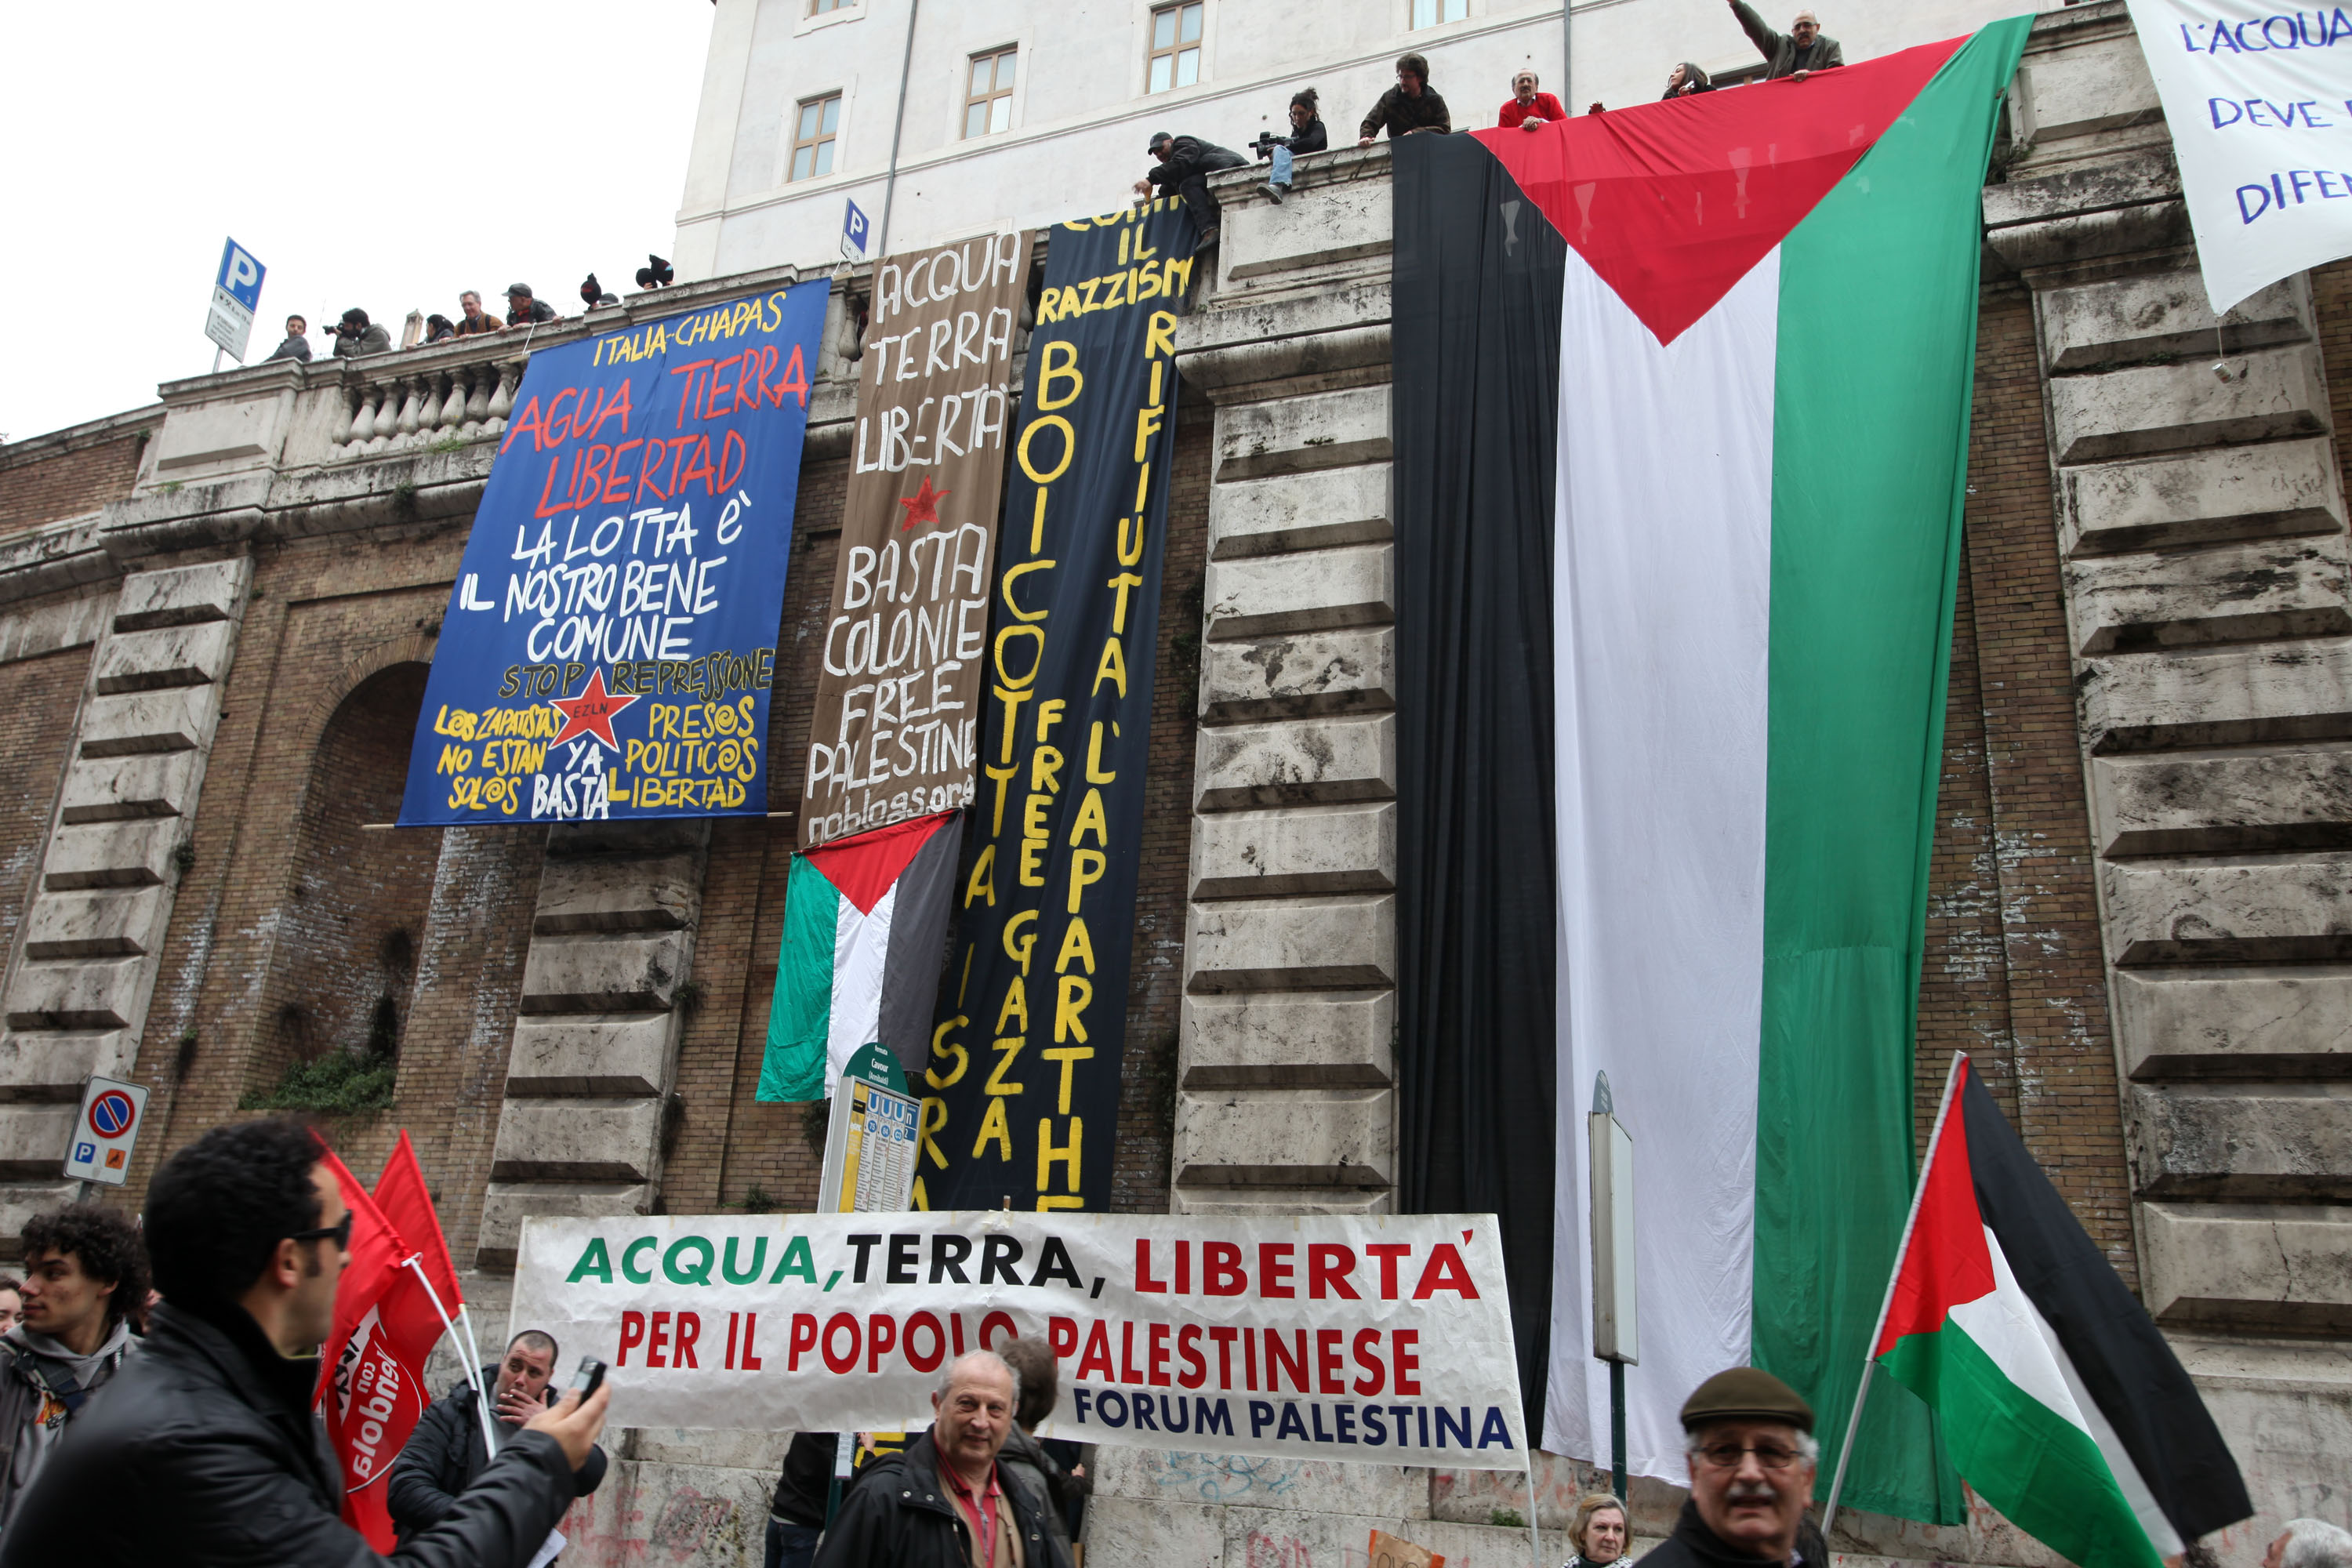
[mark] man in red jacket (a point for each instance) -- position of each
(1527, 108)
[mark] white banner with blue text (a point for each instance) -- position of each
(2259, 102)
(1379, 1337)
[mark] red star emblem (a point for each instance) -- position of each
(923, 506)
(592, 713)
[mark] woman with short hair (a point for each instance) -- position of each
(1599, 1533)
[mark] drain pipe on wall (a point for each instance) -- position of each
(898, 128)
(1567, 57)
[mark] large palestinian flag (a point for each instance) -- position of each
(1681, 418)
(2062, 1405)
(864, 936)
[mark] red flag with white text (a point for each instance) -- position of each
(371, 1386)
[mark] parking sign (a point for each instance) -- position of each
(853, 233)
(236, 294)
(106, 1131)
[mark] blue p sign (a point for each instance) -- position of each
(240, 275)
(853, 233)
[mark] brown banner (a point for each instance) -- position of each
(898, 704)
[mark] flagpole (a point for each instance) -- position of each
(473, 1362)
(1886, 1303)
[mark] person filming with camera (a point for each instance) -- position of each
(355, 335)
(1306, 135)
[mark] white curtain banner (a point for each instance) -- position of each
(1379, 1337)
(2259, 102)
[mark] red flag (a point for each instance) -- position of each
(407, 1204)
(371, 1386)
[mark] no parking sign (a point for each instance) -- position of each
(106, 1131)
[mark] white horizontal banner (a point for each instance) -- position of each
(2257, 98)
(1386, 1339)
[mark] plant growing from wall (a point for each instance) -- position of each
(335, 1083)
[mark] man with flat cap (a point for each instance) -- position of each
(1752, 1458)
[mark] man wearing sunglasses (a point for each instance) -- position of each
(207, 1449)
(1752, 1455)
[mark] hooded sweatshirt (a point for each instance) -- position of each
(33, 1418)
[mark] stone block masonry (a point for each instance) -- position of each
(83, 964)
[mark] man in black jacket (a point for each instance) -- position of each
(1185, 163)
(1752, 1456)
(1412, 105)
(448, 1451)
(206, 1451)
(943, 1503)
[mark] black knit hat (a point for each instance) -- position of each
(1746, 1393)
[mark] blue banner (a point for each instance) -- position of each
(609, 645)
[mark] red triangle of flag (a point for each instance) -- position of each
(863, 868)
(1673, 203)
(1947, 1263)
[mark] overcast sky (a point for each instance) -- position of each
(379, 156)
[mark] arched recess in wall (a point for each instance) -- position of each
(343, 969)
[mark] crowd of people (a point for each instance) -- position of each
(1182, 164)
(356, 335)
(156, 1405)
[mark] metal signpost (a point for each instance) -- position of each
(236, 294)
(853, 233)
(105, 1132)
(869, 1146)
(869, 1150)
(1615, 1338)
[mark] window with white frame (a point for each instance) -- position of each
(819, 8)
(988, 93)
(1429, 13)
(1175, 58)
(814, 125)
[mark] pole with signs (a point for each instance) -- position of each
(236, 294)
(1615, 1338)
(869, 1168)
(105, 1134)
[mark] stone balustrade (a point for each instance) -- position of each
(407, 399)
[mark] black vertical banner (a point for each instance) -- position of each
(1022, 1099)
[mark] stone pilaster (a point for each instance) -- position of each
(595, 1043)
(2201, 529)
(85, 958)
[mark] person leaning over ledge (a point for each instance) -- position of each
(1412, 105)
(1752, 1458)
(205, 1451)
(1801, 51)
(1527, 108)
(942, 1502)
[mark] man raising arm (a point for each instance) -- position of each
(246, 1229)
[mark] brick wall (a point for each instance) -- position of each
(347, 937)
(2014, 971)
(39, 698)
(313, 741)
(69, 483)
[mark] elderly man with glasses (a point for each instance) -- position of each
(1796, 53)
(1752, 1458)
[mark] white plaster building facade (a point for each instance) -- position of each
(1081, 104)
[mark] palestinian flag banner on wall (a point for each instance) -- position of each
(1704, 366)
(865, 934)
(2063, 1404)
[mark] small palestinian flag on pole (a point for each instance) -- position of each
(865, 935)
(2060, 1402)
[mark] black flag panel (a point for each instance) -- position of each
(1022, 1101)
